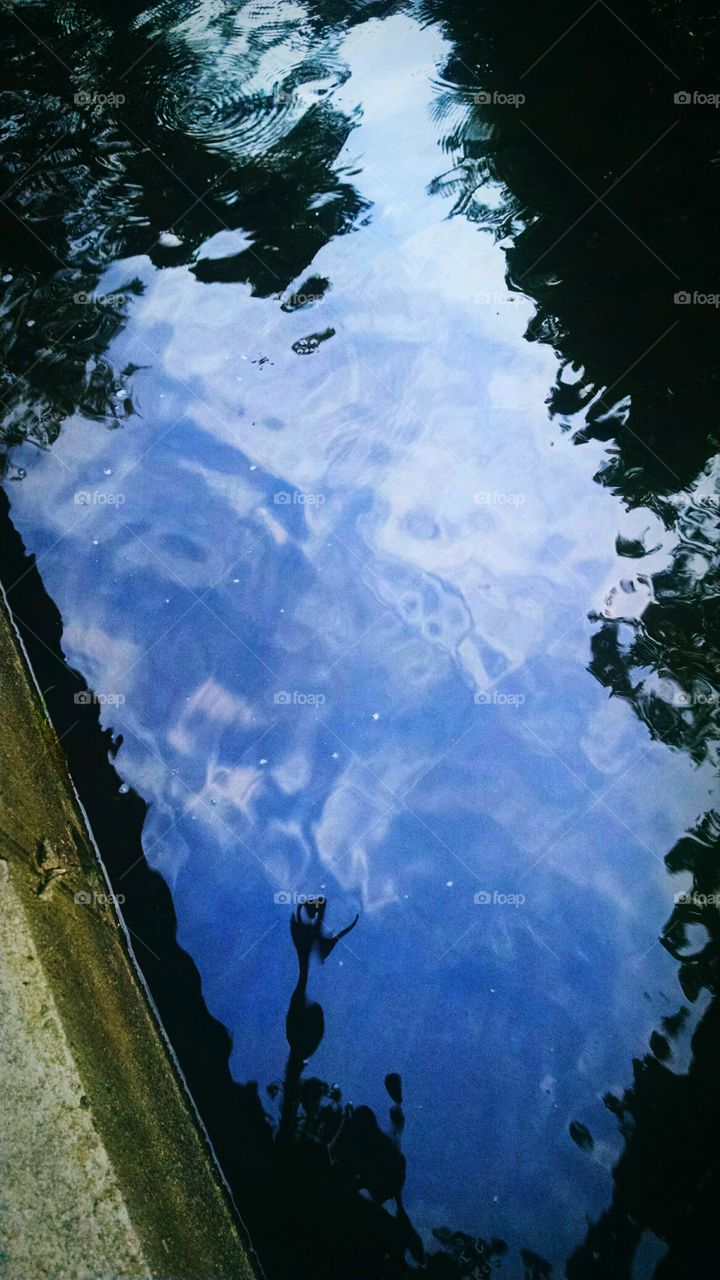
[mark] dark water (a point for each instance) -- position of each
(369, 458)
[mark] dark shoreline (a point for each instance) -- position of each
(158, 1199)
(200, 1043)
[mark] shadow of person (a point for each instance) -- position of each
(350, 1152)
(371, 1160)
(305, 1021)
(335, 1177)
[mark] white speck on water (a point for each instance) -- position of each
(449, 884)
(29, 323)
(376, 715)
(7, 278)
(492, 991)
(336, 755)
(236, 579)
(124, 788)
(121, 393)
(96, 542)
(263, 761)
(167, 599)
(253, 466)
(107, 471)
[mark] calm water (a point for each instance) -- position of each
(375, 497)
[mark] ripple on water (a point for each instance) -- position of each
(225, 110)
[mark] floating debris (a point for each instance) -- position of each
(306, 346)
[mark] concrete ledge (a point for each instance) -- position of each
(105, 1170)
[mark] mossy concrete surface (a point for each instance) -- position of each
(104, 1168)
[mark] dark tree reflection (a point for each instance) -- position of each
(610, 190)
(121, 139)
(667, 1180)
(639, 370)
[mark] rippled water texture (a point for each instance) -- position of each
(340, 569)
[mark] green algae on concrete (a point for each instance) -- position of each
(104, 1168)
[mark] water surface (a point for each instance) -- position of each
(323, 524)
